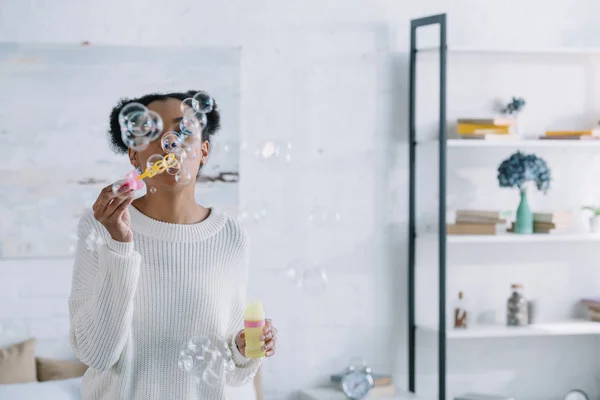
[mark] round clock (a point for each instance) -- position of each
(576, 395)
(357, 384)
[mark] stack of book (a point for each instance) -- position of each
(382, 384)
(593, 134)
(479, 222)
(593, 305)
(552, 222)
(486, 128)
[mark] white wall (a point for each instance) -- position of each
(321, 74)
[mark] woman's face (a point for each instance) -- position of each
(170, 112)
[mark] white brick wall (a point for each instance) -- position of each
(318, 73)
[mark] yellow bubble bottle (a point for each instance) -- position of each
(254, 322)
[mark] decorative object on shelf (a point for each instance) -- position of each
(592, 134)
(552, 222)
(357, 382)
(532, 307)
(593, 305)
(576, 394)
(479, 222)
(514, 107)
(486, 128)
(517, 307)
(594, 218)
(517, 171)
(460, 313)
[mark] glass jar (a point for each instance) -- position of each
(517, 307)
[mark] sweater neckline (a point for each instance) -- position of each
(181, 233)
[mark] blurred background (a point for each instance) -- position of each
(313, 160)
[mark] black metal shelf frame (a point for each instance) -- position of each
(412, 237)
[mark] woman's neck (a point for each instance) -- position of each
(176, 207)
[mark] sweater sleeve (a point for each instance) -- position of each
(246, 368)
(101, 301)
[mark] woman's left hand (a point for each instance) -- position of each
(269, 337)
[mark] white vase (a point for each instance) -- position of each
(595, 224)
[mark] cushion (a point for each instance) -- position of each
(52, 370)
(17, 363)
(68, 389)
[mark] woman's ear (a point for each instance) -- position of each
(204, 150)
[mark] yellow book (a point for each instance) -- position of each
(473, 129)
(572, 133)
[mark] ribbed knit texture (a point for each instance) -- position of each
(133, 305)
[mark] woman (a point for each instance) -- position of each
(168, 269)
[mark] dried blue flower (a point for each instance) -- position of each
(520, 168)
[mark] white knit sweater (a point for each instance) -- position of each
(133, 305)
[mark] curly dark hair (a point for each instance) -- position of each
(213, 118)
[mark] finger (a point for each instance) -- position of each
(119, 205)
(243, 335)
(240, 342)
(269, 345)
(103, 200)
(270, 353)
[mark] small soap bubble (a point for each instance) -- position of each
(314, 280)
(189, 151)
(157, 126)
(183, 177)
(188, 104)
(207, 359)
(152, 189)
(137, 143)
(174, 168)
(190, 125)
(153, 159)
(140, 123)
(205, 102)
(171, 142)
(269, 150)
(93, 241)
(322, 216)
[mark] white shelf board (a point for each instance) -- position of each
(579, 144)
(521, 238)
(550, 51)
(330, 393)
(517, 143)
(567, 328)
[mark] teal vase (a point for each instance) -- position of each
(524, 221)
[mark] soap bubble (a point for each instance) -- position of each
(191, 124)
(171, 142)
(189, 151)
(174, 167)
(140, 123)
(205, 102)
(130, 110)
(183, 177)
(253, 213)
(188, 104)
(314, 280)
(93, 241)
(208, 359)
(137, 143)
(157, 125)
(322, 216)
(153, 159)
(274, 152)
(152, 189)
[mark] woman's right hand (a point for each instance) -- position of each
(112, 211)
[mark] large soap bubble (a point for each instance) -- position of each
(208, 359)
